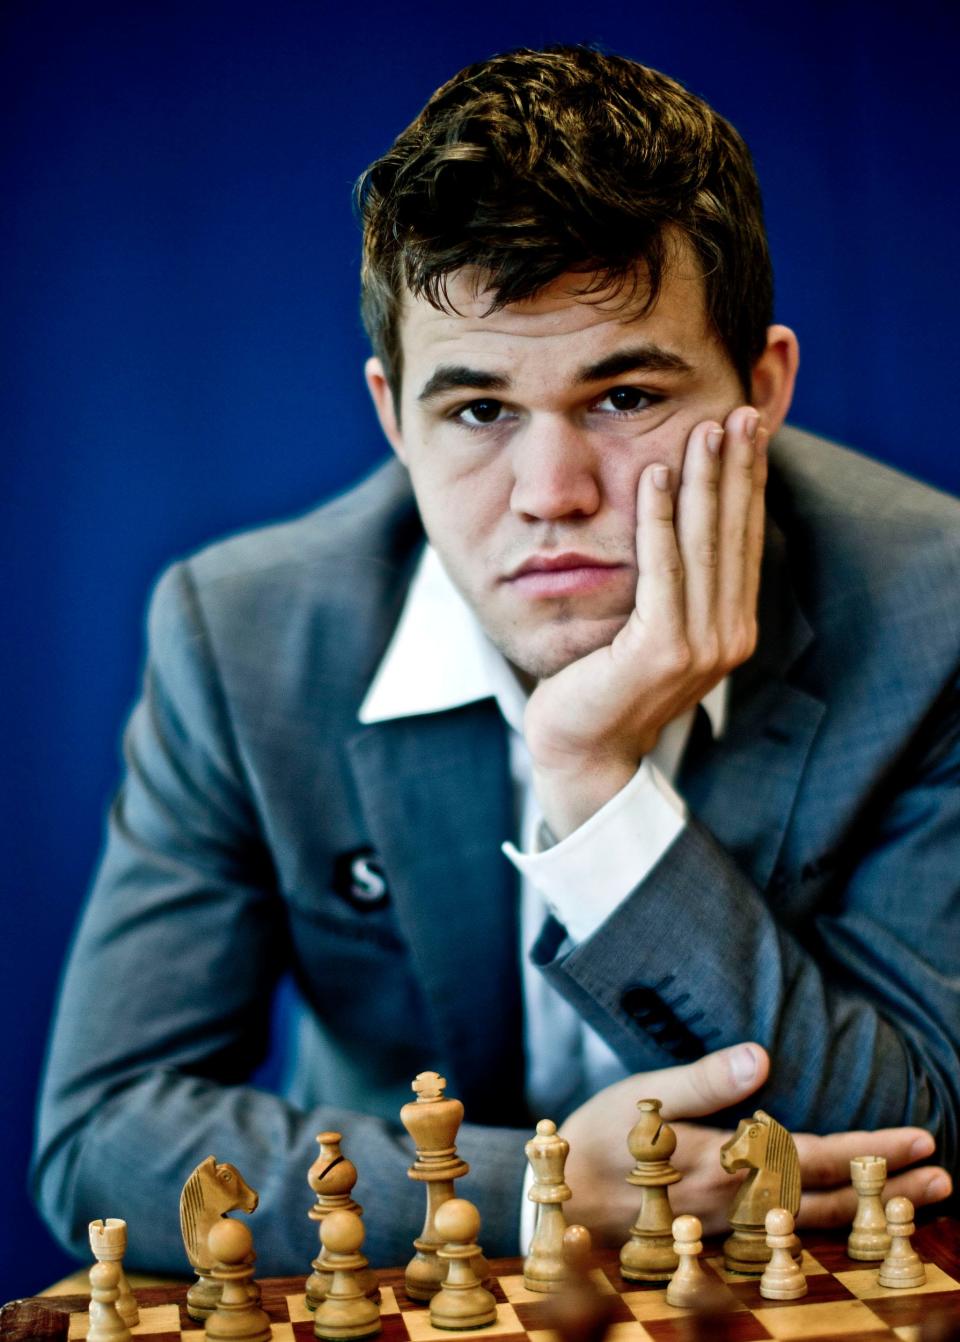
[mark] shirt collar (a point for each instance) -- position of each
(440, 658)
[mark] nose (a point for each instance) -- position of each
(554, 473)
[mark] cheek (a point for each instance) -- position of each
(460, 503)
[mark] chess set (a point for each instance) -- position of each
(843, 1303)
(760, 1283)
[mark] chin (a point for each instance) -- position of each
(544, 654)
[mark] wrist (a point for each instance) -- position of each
(569, 796)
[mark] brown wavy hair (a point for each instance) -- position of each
(534, 164)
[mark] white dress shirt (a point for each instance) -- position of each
(440, 658)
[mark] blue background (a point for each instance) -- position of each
(182, 355)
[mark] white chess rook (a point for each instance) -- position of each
(868, 1241)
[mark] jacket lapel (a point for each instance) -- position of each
(435, 794)
(743, 788)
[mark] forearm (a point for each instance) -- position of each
(133, 1154)
(696, 954)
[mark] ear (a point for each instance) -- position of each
(383, 403)
(773, 376)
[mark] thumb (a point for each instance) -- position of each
(712, 1082)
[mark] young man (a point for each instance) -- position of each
(694, 672)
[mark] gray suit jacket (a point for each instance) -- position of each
(813, 903)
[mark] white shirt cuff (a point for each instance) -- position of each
(585, 876)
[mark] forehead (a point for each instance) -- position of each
(558, 329)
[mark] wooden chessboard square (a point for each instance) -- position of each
(393, 1328)
(649, 1306)
(684, 1326)
(155, 1320)
(864, 1285)
(389, 1304)
(535, 1317)
(899, 1309)
(821, 1286)
(297, 1311)
(420, 1329)
(517, 1294)
(846, 1319)
(619, 1332)
(834, 1257)
(809, 1265)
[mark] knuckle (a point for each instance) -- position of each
(707, 553)
(741, 644)
(707, 658)
(679, 657)
(670, 565)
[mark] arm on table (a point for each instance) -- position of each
(164, 1009)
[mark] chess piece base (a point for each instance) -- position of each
(786, 1294)
(203, 1297)
(648, 1260)
(222, 1326)
(747, 1252)
(868, 1248)
(907, 1277)
(425, 1273)
(547, 1285)
(791, 1288)
(350, 1319)
(474, 1308)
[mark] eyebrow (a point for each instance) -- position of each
(637, 359)
(646, 358)
(453, 377)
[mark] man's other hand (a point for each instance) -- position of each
(699, 545)
(599, 1160)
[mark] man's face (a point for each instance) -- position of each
(525, 433)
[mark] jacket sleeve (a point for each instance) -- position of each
(857, 1002)
(164, 1008)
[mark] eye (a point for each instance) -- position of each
(623, 400)
(479, 413)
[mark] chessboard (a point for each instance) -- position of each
(843, 1302)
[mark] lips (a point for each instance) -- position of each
(566, 574)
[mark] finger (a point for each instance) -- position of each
(825, 1160)
(697, 511)
(659, 603)
(711, 1083)
(838, 1207)
(736, 496)
(755, 523)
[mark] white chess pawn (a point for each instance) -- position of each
(690, 1287)
(238, 1317)
(346, 1311)
(902, 1266)
(106, 1325)
(782, 1277)
(462, 1302)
